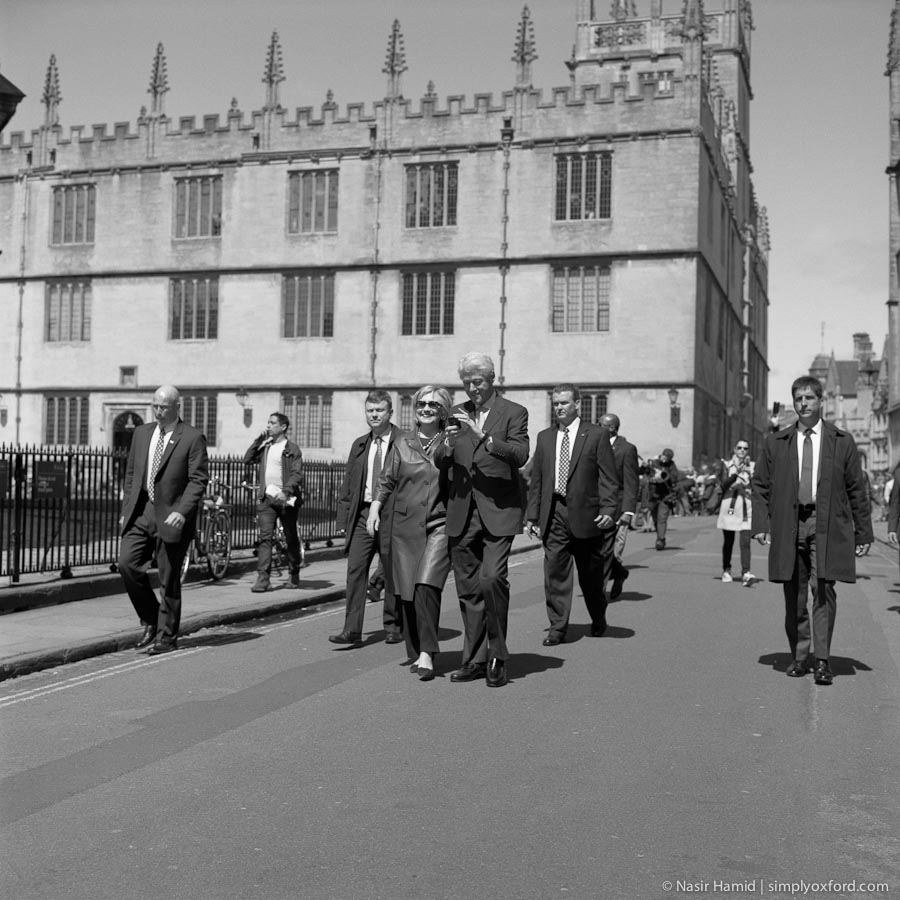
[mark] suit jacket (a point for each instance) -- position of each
(592, 488)
(489, 479)
(180, 482)
(893, 512)
(417, 532)
(626, 457)
(291, 467)
(843, 517)
(353, 488)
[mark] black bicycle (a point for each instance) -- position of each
(212, 540)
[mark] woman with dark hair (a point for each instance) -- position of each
(735, 513)
(420, 558)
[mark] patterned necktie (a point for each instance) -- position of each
(563, 463)
(154, 465)
(805, 495)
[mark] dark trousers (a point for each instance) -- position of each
(611, 552)
(420, 620)
(824, 599)
(362, 550)
(561, 549)
(728, 548)
(136, 549)
(267, 513)
(480, 567)
(660, 510)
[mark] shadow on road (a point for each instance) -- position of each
(840, 665)
(218, 640)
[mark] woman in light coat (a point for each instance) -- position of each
(420, 556)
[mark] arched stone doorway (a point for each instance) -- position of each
(123, 429)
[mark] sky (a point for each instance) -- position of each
(818, 123)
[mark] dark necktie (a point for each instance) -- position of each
(154, 465)
(805, 496)
(563, 463)
(376, 469)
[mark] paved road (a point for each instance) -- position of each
(260, 761)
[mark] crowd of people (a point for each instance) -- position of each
(452, 493)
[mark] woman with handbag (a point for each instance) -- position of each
(735, 513)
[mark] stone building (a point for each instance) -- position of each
(892, 349)
(855, 394)
(605, 232)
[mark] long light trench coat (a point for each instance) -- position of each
(419, 550)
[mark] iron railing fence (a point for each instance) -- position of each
(60, 507)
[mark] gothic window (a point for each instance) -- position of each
(431, 190)
(427, 303)
(198, 206)
(67, 311)
(310, 415)
(583, 186)
(313, 201)
(66, 419)
(193, 309)
(74, 211)
(307, 305)
(200, 411)
(580, 298)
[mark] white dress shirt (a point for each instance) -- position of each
(816, 438)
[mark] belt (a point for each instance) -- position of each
(807, 507)
(559, 498)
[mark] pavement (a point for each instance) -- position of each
(54, 623)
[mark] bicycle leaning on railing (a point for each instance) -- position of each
(212, 540)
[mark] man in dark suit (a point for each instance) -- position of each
(893, 509)
(487, 441)
(811, 502)
(572, 503)
(368, 456)
(165, 480)
(628, 478)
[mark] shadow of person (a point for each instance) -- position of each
(448, 634)
(521, 665)
(579, 632)
(840, 665)
(634, 596)
(218, 640)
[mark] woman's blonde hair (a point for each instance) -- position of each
(442, 395)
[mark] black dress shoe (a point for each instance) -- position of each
(162, 647)
(552, 640)
(392, 637)
(616, 589)
(497, 675)
(598, 629)
(822, 673)
(797, 669)
(345, 637)
(426, 674)
(469, 672)
(148, 636)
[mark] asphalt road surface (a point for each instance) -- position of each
(671, 757)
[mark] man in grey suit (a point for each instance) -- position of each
(165, 480)
(628, 478)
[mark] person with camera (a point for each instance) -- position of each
(735, 511)
(664, 478)
(280, 477)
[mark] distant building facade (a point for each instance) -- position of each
(855, 397)
(892, 351)
(606, 234)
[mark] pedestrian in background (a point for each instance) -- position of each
(735, 511)
(368, 456)
(279, 479)
(486, 440)
(663, 487)
(165, 480)
(628, 481)
(572, 503)
(813, 507)
(419, 555)
(893, 508)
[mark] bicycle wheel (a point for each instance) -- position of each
(218, 544)
(188, 559)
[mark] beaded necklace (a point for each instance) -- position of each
(427, 442)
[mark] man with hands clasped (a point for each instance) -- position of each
(573, 500)
(814, 510)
